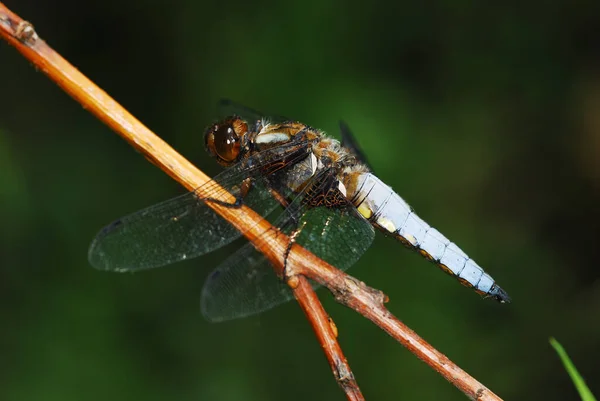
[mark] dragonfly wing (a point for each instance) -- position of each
(228, 108)
(177, 229)
(245, 284)
(338, 236)
(186, 227)
(350, 142)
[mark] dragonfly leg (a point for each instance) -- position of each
(293, 237)
(285, 203)
(245, 187)
(279, 198)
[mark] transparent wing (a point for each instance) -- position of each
(228, 107)
(350, 142)
(245, 284)
(184, 227)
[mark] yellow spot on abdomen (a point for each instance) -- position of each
(365, 210)
(387, 224)
(411, 239)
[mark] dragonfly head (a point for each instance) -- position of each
(223, 140)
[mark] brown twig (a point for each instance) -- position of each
(300, 264)
(326, 332)
(21, 34)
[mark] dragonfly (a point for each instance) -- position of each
(319, 191)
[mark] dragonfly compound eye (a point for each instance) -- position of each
(223, 140)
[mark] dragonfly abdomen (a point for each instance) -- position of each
(390, 213)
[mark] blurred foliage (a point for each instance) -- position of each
(582, 388)
(483, 116)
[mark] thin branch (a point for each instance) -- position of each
(326, 333)
(300, 264)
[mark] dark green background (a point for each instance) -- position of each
(485, 117)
